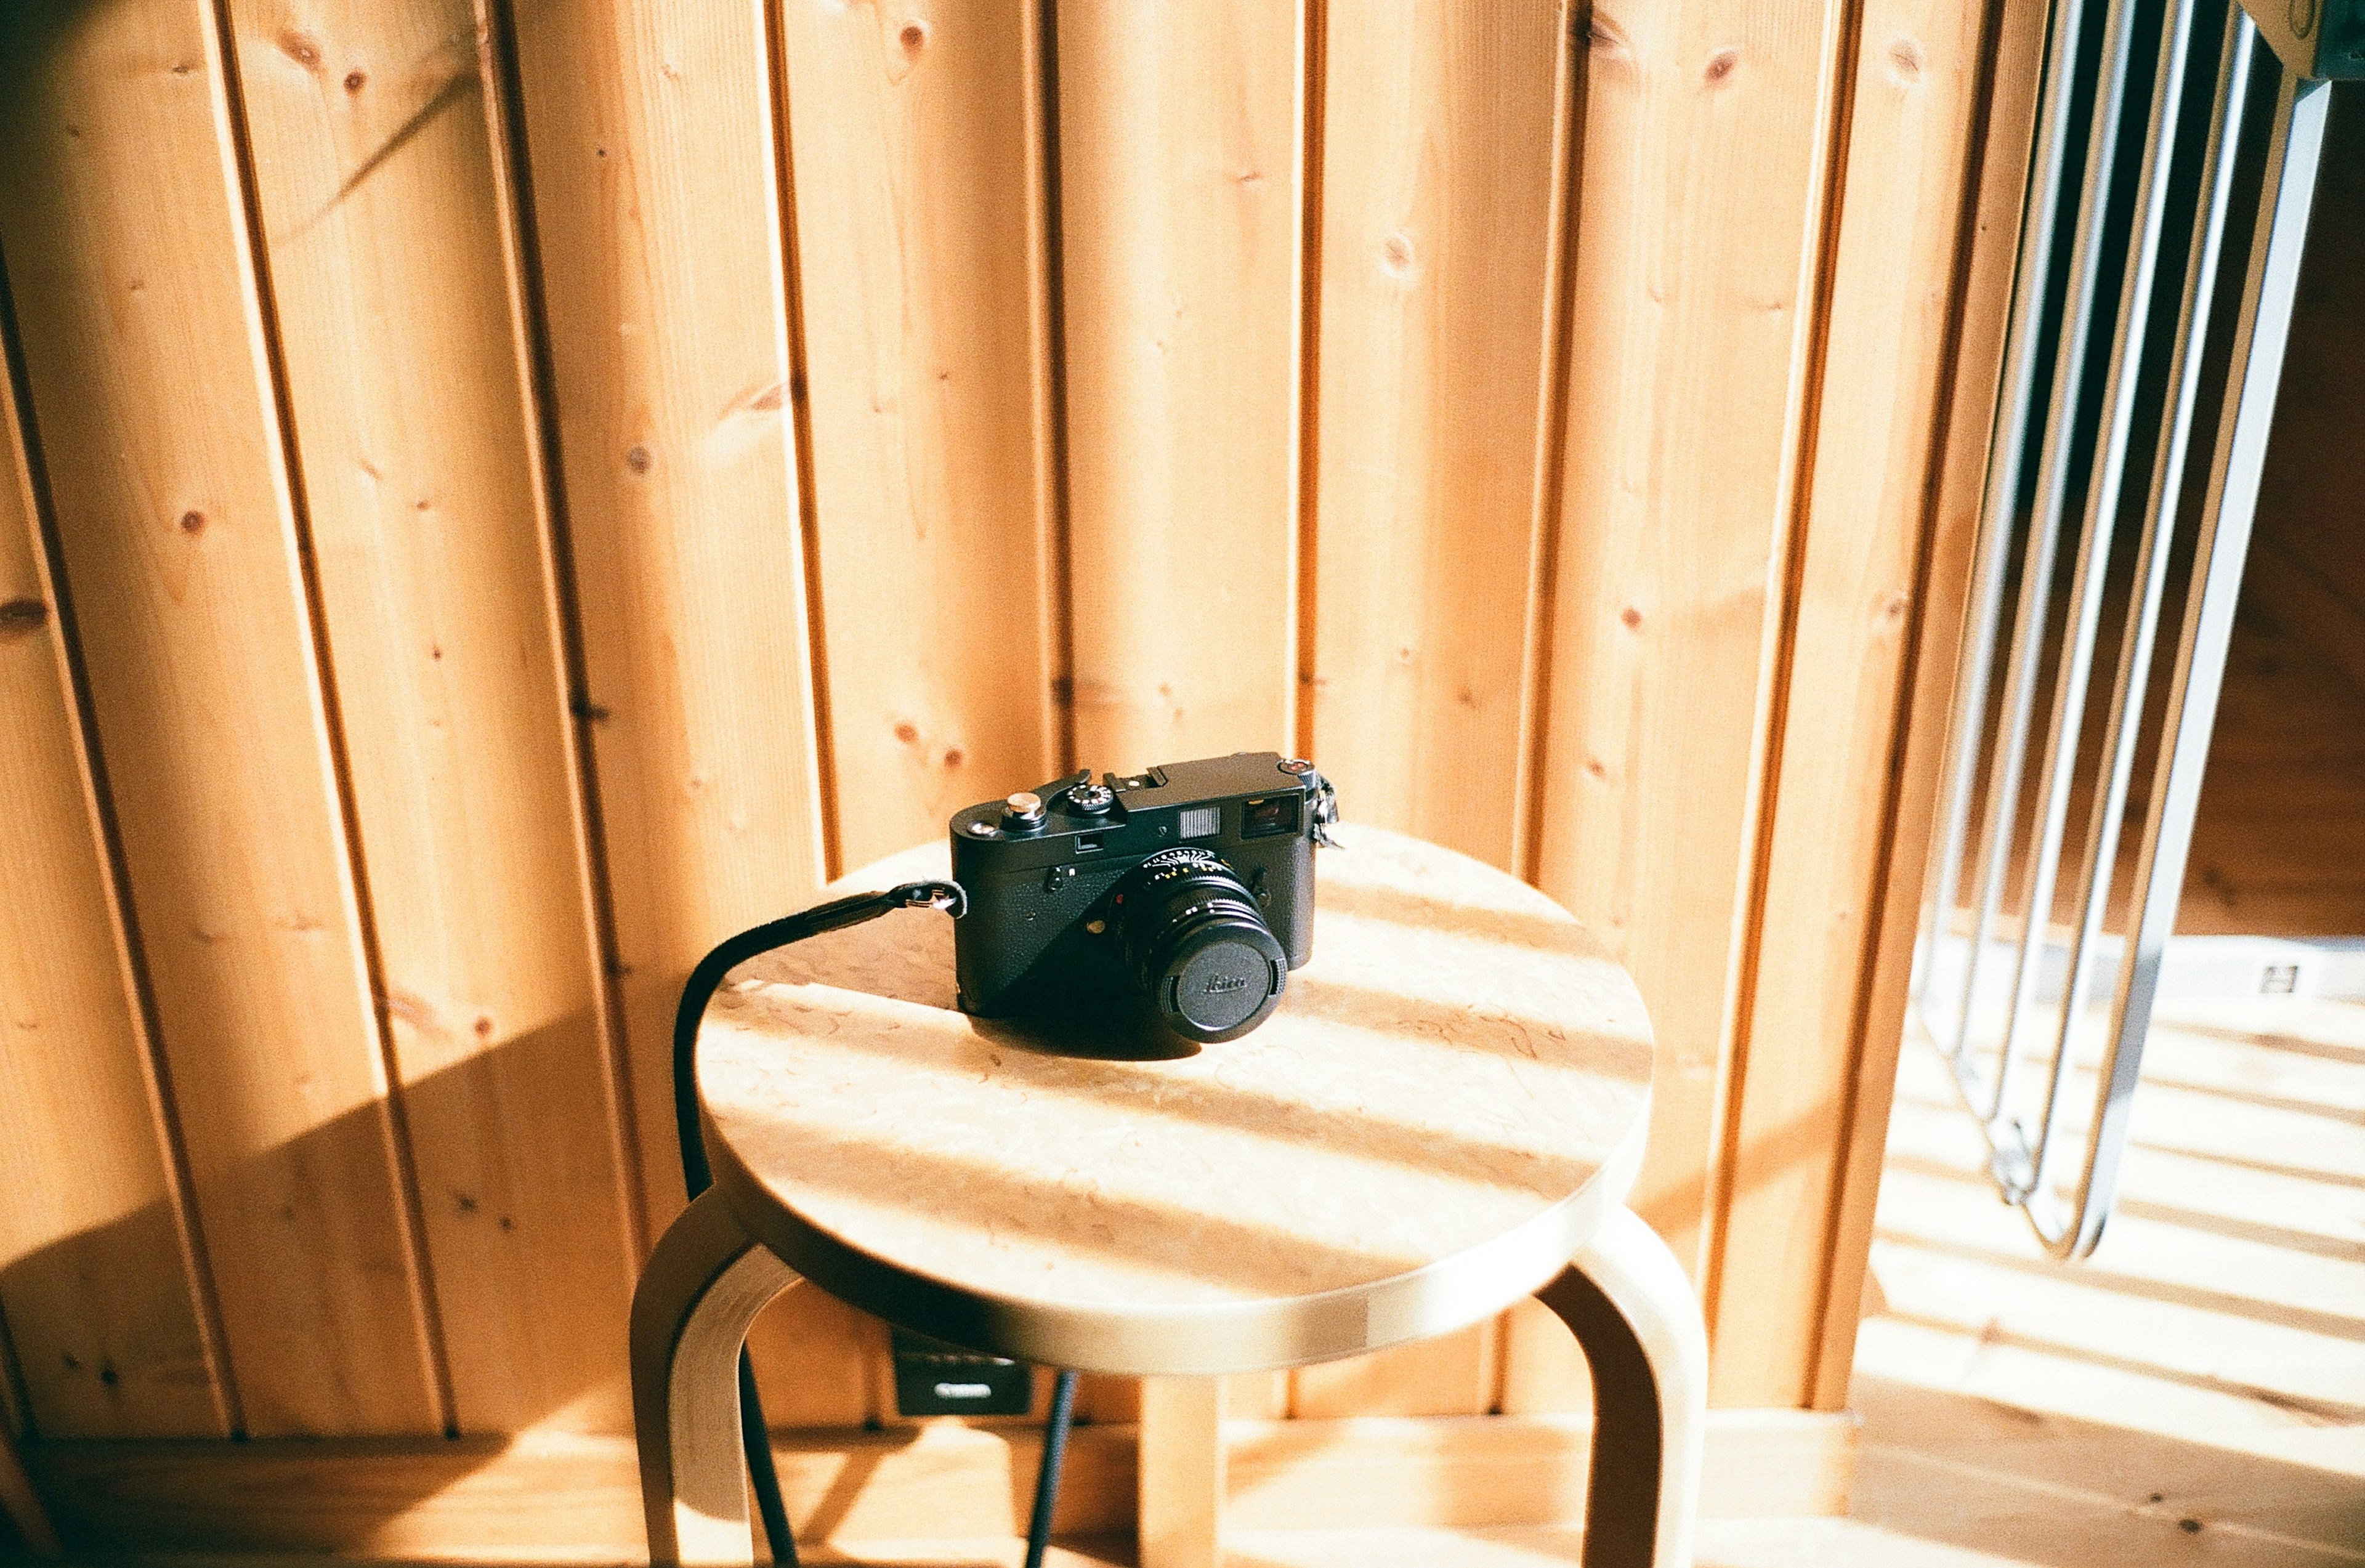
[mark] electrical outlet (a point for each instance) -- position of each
(933, 1378)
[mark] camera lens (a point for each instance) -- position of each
(1193, 939)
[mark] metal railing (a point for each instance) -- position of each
(2212, 211)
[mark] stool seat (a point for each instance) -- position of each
(1446, 1103)
(1444, 1114)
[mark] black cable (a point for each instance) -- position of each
(753, 1436)
(1046, 1480)
(763, 1478)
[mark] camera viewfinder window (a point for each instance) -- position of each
(1264, 818)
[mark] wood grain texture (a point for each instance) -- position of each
(564, 1498)
(555, 1497)
(385, 225)
(126, 233)
(1180, 167)
(651, 133)
(2332, 623)
(2314, 477)
(1088, 1185)
(98, 1282)
(1438, 122)
(1695, 226)
(704, 1283)
(918, 208)
(1037, 281)
(2003, 115)
(1863, 559)
(1379, 1470)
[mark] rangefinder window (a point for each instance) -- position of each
(1271, 815)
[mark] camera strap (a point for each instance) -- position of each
(835, 915)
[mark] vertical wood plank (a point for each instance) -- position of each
(1695, 227)
(1833, 804)
(1435, 196)
(2309, 570)
(98, 1274)
(1180, 170)
(1988, 211)
(385, 225)
(656, 205)
(916, 210)
(1436, 206)
(126, 232)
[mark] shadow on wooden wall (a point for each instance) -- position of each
(498, 495)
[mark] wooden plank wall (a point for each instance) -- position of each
(2305, 567)
(495, 497)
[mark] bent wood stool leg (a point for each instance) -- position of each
(1625, 1298)
(703, 1287)
(1178, 1518)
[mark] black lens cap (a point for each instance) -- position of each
(1221, 980)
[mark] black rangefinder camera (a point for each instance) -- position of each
(1189, 888)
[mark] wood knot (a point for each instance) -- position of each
(636, 458)
(1722, 65)
(357, 79)
(1905, 61)
(483, 1027)
(303, 50)
(1629, 617)
(192, 522)
(1601, 36)
(913, 38)
(1396, 253)
(22, 618)
(955, 756)
(907, 733)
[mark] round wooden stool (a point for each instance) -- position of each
(1444, 1115)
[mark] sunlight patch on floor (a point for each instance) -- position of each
(2194, 1393)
